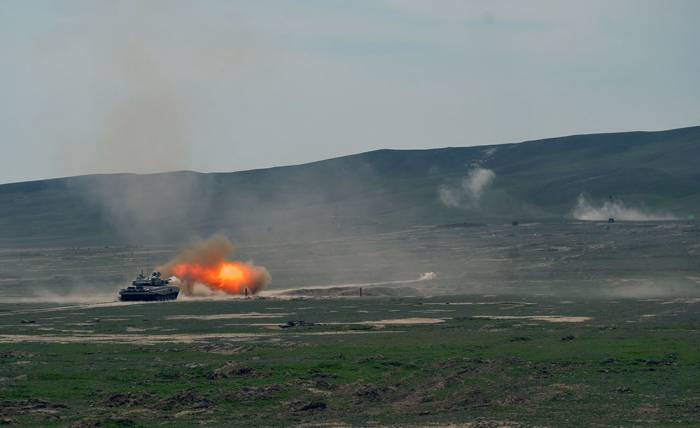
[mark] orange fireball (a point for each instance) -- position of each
(206, 263)
(229, 277)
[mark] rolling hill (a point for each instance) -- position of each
(381, 190)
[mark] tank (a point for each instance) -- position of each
(151, 289)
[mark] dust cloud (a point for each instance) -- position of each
(585, 210)
(468, 193)
(148, 78)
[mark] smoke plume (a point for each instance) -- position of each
(585, 210)
(469, 191)
(205, 264)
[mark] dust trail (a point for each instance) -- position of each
(426, 276)
(76, 297)
(585, 210)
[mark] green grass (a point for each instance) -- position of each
(613, 372)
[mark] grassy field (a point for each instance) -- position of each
(485, 360)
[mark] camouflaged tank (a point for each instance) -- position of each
(151, 289)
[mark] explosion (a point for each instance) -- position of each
(205, 263)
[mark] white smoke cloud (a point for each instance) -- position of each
(427, 276)
(585, 210)
(470, 190)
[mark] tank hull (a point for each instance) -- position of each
(141, 296)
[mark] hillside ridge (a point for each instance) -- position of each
(380, 190)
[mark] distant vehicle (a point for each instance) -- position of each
(151, 289)
(611, 220)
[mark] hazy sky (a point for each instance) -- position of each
(141, 86)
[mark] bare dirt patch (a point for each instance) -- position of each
(397, 321)
(141, 339)
(30, 406)
(547, 318)
(405, 321)
(232, 369)
(228, 316)
(154, 339)
(481, 303)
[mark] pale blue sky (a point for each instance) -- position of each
(144, 86)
